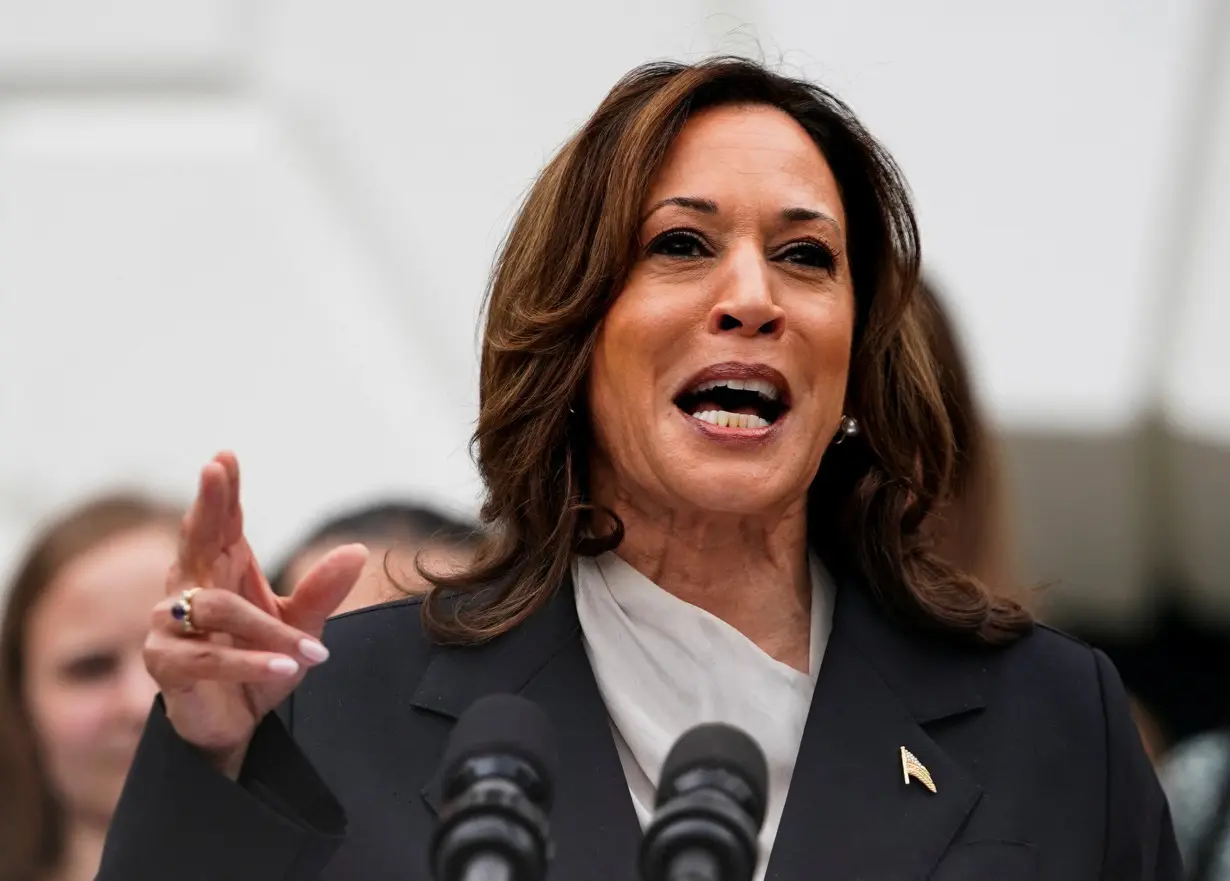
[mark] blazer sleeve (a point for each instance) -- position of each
(1140, 839)
(179, 817)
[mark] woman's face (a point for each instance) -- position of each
(720, 370)
(85, 681)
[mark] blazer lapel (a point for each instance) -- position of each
(593, 823)
(850, 813)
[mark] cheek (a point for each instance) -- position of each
(644, 333)
(828, 338)
(621, 387)
(69, 720)
(624, 418)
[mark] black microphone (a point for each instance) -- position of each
(710, 807)
(499, 771)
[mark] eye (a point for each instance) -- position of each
(679, 243)
(90, 668)
(814, 255)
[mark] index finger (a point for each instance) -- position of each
(201, 534)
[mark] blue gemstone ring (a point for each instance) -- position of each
(181, 610)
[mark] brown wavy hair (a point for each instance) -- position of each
(31, 819)
(566, 260)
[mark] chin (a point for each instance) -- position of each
(735, 491)
(741, 476)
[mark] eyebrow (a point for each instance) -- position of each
(800, 215)
(701, 206)
(708, 206)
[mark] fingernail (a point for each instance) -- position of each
(313, 651)
(284, 666)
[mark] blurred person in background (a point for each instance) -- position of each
(971, 527)
(1196, 777)
(395, 534)
(74, 691)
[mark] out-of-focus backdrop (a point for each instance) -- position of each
(267, 226)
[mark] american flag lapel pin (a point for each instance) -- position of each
(911, 767)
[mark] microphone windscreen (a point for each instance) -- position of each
(504, 724)
(715, 745)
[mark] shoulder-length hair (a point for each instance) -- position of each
(31, 819)
(566, 260)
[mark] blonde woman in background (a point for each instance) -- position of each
(74, 692)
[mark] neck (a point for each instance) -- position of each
(83, 846)
(752, 572)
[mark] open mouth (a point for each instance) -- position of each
(731, 402)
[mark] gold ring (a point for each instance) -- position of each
(181, 610)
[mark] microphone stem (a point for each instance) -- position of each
(487, 867)
(695, 864)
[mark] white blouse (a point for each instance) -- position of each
(664, 665)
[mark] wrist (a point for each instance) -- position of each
(229, 761)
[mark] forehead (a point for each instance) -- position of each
(746, 153)
(107, 591)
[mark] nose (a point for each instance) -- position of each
(745, 304)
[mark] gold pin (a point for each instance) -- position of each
(911, 767)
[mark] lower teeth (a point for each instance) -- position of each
(724, 419)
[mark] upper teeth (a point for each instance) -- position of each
(762, 387)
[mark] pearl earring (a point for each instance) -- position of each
(847, 428)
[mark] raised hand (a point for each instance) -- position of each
(242, 649)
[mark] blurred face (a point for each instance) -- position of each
(720, 371)
(85, 681)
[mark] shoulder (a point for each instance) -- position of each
(1065, 702)
(1076, 684)
(371, 650)
(1045, 680)
(398, 619)
(1050, 660)
(1047, 688)
(1044, 669)
(1071, 698)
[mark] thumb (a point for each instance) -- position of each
(323, 588)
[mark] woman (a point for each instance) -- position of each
(710, 428)
(74, 691)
